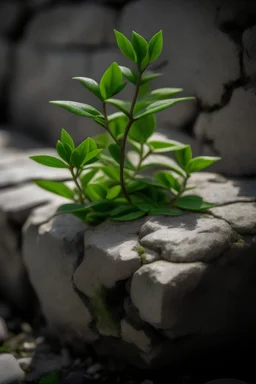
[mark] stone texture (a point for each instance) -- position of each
(49, 27)
(30, 94)
(249, 45)
(197, 67)
(10, 369)
(134, 336)
(241, 216)
(186, 238)
(9, 16)
(63, 236)
(232, 132)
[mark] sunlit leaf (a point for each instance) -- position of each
(198, 163)
(78, 108)
(125, 46)
(140, 46)
(142, 129)
(67, 139)
(49, 161)
(113, 192)
(110, 81)
(87, 177)
(96, 191)
(82, 151)
(155, 46)
(123, 106)
(56, 187)
(183, 156)
(129, 74)
(90, 84)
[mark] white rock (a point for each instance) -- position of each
(24, 363)
(136, 336)
(50, 26)
(249, 45)
(233, 134)
(10, 370)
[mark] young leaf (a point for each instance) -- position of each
(119, 88)
(100, 120)
(158, 146)
(129, 74)
(168, 180)
(155, 46)
(152, 182)
(192, 203)
(183, 155)
(117, 123)
(80, 109)
(56, 187)
(49, 161)
(63, 152)
(159, 106)
(91, 156)
(125, 46)
(161, 94)
(198, 163)
(148, 76)
(96, 191)
(113, 192)
(162, 165)
(87, 177)
(67, 139)
(110, 81)
(123, 106)
(142, 129)
(165, 211)
(130, 216)
(140, 46)
(115, 152)
(79, 154)
(90, 84)
(102, 140)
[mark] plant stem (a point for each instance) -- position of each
(142, 158)
(181, 191)
(124, 138)
(80, 191)
(104, 106)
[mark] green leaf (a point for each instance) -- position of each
(90, 84)
(161, 94)
(49, 161)
(198, 163)
(129, 74)
(117, 123)
(67, 139)
(155, 46)
(159, 106)
(130, 216)
(192, 203)
(119, 88)
(63, 152)
(56, 187)
(122, 209)
(140, 46)
(183, 156)
(165, 211)
(102, 140)
(96, 191)
(79, 154)
(158, 146)
(142, 129)
(125, 46)
(87, 177)
(91, 156)
(151, 181)
(95, 218)
(123, 106)
(110, 81)
(115, 152)
(113, 192)
(162, 165)
(74, 207)
(168, 180)
(112, 172)
(135, 186)
(100, 120)
(148, 76)
(80, 109)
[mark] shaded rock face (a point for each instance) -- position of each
(216, 64)
(152, 290)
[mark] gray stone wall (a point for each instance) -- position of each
(209, 51)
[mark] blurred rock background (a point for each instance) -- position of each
(209, 51)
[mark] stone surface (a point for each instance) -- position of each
(249, 45)
(136, 336)
(10, 370)
(233, 134)
(3, 331)
(30, 94)
(198, 66)
(25, 363)
(63, 236)
(49, 27)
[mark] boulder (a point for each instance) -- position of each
(10, 370)
(152, 290)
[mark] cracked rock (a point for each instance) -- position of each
(187, 238)
(49, 27)
(232, 132)
(56, 247)
(249, 44)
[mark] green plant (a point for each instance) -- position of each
(106, 182)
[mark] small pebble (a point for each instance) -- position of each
(29, 347)
(3, 331)
(10, 369)
(25, 362)
(94, 369)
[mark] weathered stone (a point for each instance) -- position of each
(10, 369)
(110, 256)
(57, 247)
(30, 94)
(134, 336)
(249, 44)
(197, 67)
(49, 27)
(186, 238)
(233, 134)
(25, 363)
(241, 216)
(9, 15)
